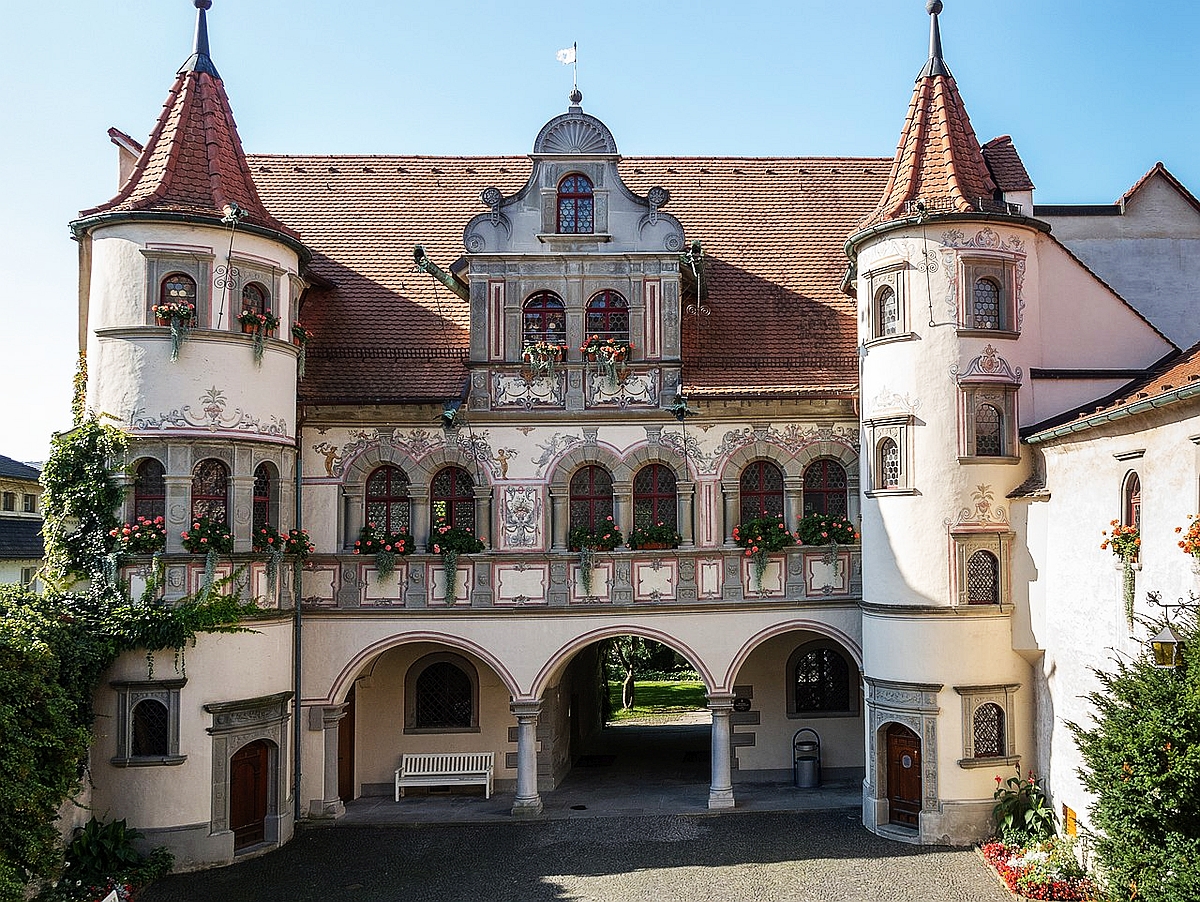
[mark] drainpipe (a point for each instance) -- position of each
(297, 572)
(426, 265)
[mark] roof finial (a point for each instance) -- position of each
(936, 65)
(576, 97)
(200, 60)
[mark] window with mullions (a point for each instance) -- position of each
(761, 490)
(822, 682)
(210, 491)
(591, 501)
(452, 497)
(887, 312)
(983, 578)
(254, 299)
(576, 205)
(889, 465)
(387, 499)
(825, 488)
(264, 492)
(544, 318)
(608, 317)
(989, 431)
(654, 499)
(149, 490)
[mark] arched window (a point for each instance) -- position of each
(1131, 504)
(887, 311)
(452, 497)
(443, 698)
(210, 491)
(983, 578)
(266, 504)
(177, 288)
(985, 306)
(608, 317)
(761, 490)
(544, 319)
(654, 497)
(591, 502)
(825, 488)
(888, 462)
(149, 490)
(988, 728)
(150, 737)
(387, 499)
(822, 681)
(575, 205)
(989, 431)
(255, 299)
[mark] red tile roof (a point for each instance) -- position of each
(772, 231)
(193, 162)
(1004, 163)
(1158, 169)
(938, 160)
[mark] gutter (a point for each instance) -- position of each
(1166, 400)
(858, 237)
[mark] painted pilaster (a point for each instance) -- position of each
(420, 516)
(623, 505)
(559, 518)
(720, 793)
(178, 505)
(527, 802)
(243, 504)
(730, 491)
(353, 499)
(793, 500)
(686, 495)
(483, 514)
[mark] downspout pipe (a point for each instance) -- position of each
(297, 645)
(426, 265)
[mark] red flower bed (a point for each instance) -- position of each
(1013, 863)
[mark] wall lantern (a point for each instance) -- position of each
(1167, 648)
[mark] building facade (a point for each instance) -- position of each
(587, 336)
(21, 546)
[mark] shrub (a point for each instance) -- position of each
(1021, 813)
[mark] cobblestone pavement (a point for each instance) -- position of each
(807, 856)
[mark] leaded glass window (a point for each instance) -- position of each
(985, 308)
(210, 491)
(654, 497)
(983, 578)
(452, 497)
(761, 490)
(608, 317)
(544, 319)
(889, 464)
(576, 205)
(988, 729)
(443, 697)
(262, 497)
(591, 501)
(825, 488)
(254, 299)
(822, 679)
(387, 499)
(149, 490)
(150, 738)
(887, 311)
(989, 431)
(177, 288)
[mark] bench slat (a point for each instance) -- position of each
(437, 768)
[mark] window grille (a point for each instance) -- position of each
(986, 308)
(544, 319)
(387, 499)
(889, 464)
(654, 497)
(983, 578)
(988, 726)
(887, 311)
(591, 499)
(825, 488)
(608, 317)
(150, 735)
(822, 681)
(452, 497)
(576, 205)
(761, 490)
(989, 431)
(443, 697)
(150, 490)
(210, 491)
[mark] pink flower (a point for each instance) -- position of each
(437, 550)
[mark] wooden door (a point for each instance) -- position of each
(903, 775)
(249, 774)
(346, 751)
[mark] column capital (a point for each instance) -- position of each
(526, 707)
(720, 703)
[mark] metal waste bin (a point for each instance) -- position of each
(806, 759)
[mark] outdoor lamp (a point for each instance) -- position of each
(1167, 648)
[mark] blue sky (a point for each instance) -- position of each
(1094, 92)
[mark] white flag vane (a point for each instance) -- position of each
(566, 56)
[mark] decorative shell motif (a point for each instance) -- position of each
(577, 136)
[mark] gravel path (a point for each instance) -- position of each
(814, 856)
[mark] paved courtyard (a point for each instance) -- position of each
(792, 856)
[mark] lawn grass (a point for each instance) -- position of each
(659, 697)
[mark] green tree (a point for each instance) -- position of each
(1142, 762)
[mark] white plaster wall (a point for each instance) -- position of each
(219, 668)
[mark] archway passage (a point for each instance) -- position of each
(249, 794)
(903, 775)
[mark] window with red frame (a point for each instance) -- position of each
(210, 491)
(825, 488)
(544, 318)
(608, 317)
(387, 499)
(264, 483)
(452, 497)
(149, 490)
(591, 502)
(177, 288)
(761, 490)
(254, 299)
(576, 205)
(654, 497)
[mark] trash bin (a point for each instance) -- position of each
(806, 759)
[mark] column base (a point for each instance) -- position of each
(322, 810)
(720, 798)
(527, 807)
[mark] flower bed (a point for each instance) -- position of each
(1047, 870)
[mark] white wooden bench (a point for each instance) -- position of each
(445, 770)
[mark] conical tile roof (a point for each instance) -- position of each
(938, 162)
(193, 162)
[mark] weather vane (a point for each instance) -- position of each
(566, 56)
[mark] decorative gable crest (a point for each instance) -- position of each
(987, 367)
(575, 133)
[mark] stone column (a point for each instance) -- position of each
(355, 514)
(720, 793)
(331, 805)
(179, 510)
(731, 490)
(560, 518)
(793, 500)
(419, 521)
(685, 512)
(623, 506)
(853, 501)
(240, 519)
(483, 515)
(527, 802)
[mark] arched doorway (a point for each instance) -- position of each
(903, 776)
(249, 794)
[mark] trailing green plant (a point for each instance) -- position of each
(301, 336)
(587, 541)
(825, 529)
(79, 391)
(1021, 813)
(1126, 543)
(179, 315)
(1141, 761)
(657, 534)
(210, 537)
(261, 325)
(386, 546)
(81, 498)
(762, 537)
(451, 541)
